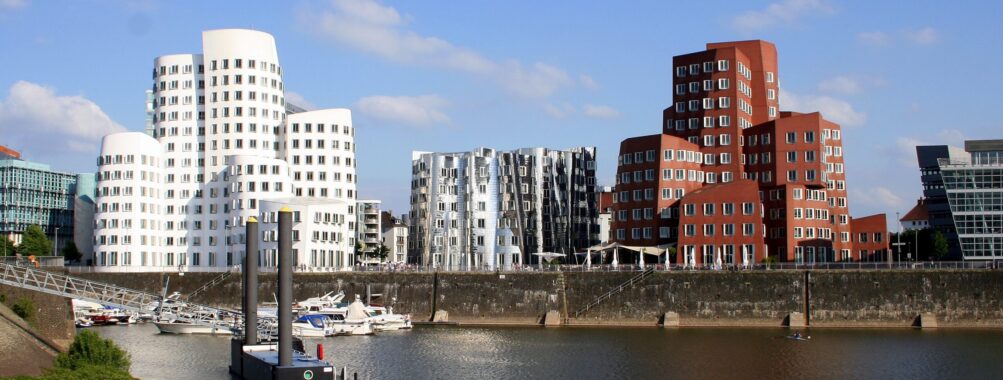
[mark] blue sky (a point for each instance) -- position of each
(453, 75)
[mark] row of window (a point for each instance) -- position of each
(705, 104)
(690, 209)
(727, 229)
(706, 67)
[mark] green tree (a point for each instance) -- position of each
(7, 247)
(88, 349)
(24, 308)
(70, 251)
(938, 245)
(35, 242)
(382, 251)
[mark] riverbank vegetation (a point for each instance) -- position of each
(89, 358)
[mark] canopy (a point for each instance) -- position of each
(657, 250)
(548, 254)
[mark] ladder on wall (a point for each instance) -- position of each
(617, 290)
(216, 280)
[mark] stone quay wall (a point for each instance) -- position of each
(820, 298)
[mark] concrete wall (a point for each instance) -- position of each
(53, 316)
(835, 298)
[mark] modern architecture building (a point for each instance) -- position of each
(938, 208)
(225, 147)
(974, 187)
(731, 179)
(394, 237)
(32, 193)
(491, 209)
(368, 230)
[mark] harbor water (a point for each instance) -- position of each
(449, 352)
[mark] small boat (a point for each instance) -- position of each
(798, 337)
(313, 326)
(384, 319)
(176, 327)
(81, 322)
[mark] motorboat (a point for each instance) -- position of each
(313, 326)
(81, 322)
(384, 319)
(178, 327)
(314, 304)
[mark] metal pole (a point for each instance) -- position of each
(55, 244)
(285, 300)
(251, 283)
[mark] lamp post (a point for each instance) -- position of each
(55, 244)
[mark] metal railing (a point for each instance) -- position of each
(124, 298)
(213, 282)
(627, 284)
(400, 267)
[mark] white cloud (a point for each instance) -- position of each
(600, 112)
(879, 197)
(377, 29)
(924, 36)
(12, 4)
(298, 100)
(835, 110)
(588, 82)
(36, 118)
(874, 38)
(905, 147)
(422, 110)
(784, 11)
(559, 112)
(840, 85)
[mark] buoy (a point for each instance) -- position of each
(320, 351)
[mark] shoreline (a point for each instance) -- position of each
(642, 325)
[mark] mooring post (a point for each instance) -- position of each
(251, 283)
(285, 287)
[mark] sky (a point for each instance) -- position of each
(456, 75)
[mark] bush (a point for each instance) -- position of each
(89, 350)
(24, 308)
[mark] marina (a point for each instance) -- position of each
(438, 352)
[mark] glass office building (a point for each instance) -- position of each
(32, 193)
(974, 187)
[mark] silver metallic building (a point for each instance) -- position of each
(975, 191)
(487, 209)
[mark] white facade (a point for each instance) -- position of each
(320, 239)
(220, 123)
(369, 233)
(395, 239)
(129, 218)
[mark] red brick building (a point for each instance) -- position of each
(741, 149)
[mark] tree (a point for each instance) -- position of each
(70, 252)
(382, 251)
(938, 245)
(7, 247)
(89, 349)
(35, 242)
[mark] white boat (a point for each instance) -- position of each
(384, 319)
(352, 319)
(313, 326)
(314, 304)
(175, 327)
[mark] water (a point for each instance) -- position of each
(602, 353)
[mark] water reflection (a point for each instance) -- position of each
(586, 353)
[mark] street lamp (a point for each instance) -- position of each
(55, 244)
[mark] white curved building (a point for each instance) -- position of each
(225, 146)
(128, 218)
